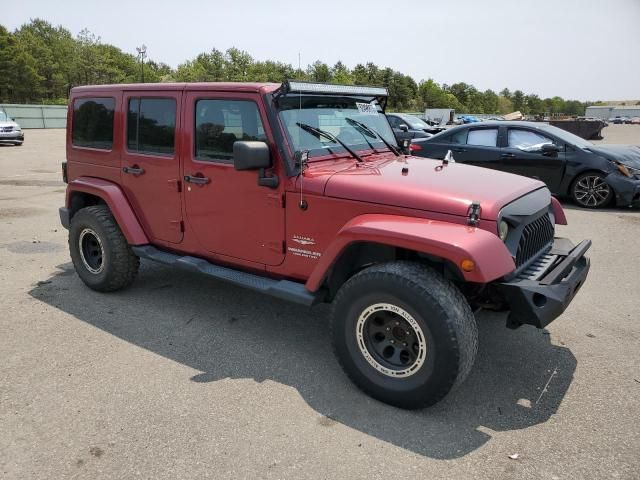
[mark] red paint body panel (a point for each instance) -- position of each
(558, 212)
(429, 185)
(117, 203)
(441, 239)
(232, 215)
(325, 217)
(154, 195)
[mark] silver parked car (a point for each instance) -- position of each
(10, 131)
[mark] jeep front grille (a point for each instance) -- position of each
(536, 236)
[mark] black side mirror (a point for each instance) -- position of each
(549, 149)
(251, 155)
(254, 156)
(403, 128)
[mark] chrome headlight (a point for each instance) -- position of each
(503, 230)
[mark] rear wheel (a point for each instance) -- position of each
(403, 333)
(590, 190)
(100, 253)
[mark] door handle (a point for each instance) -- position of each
(507, 155)
(458, 150)
(196, 179)
(135, 170)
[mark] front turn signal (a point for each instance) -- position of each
(467, 265)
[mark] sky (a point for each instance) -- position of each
(577, 49)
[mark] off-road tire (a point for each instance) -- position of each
(119, 265)
(441, 312)
(580, 186)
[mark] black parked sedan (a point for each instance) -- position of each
(408, 127)
(593, 175)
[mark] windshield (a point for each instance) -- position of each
(568, 137)
(414, 122)
(332, 115)
(3, 116)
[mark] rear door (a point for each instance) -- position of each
(477, 146)
(229, 213)
(522, 154)
(150, 162)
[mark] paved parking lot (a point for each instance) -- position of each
(184, 377)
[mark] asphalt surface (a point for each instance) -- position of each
(184, 377)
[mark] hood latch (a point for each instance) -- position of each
(473, 214)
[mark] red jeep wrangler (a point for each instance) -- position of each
(300, 191)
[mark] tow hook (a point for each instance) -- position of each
(473, 214)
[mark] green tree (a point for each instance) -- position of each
(519, 102)
(340, 74)
(319, 72)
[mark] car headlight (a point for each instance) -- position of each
(503, 230)
(628, 171)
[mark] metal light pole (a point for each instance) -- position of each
(142, 52)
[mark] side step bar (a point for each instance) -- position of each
(284, 289)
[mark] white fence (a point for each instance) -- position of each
(37, 116)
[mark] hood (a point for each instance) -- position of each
(9, 123)
(627, 154)
(426, 184)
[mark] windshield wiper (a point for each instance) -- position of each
(373, 133)
(321, 133)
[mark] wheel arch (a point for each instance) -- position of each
(372, 238)
(361, 254)
(87, 191)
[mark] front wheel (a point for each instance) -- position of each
(403, 333)
(590, 190)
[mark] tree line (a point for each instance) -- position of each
(40, 63)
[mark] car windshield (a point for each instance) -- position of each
(332, 114)
(414, 122)
(568, 137)
(3, 116)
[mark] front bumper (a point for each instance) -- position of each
(540, 294)
(11, 137)
(627, 189)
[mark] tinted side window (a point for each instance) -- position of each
(93, 123)
(151, 125)
(486, 137)
(460, 137)
(525, 139)
(220, 123)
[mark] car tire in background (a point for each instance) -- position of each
(403, 333)
(590, 190)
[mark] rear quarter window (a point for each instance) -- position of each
(459, 137)
(92, 123)
(486, 137)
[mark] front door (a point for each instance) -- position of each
(229, 213)
(150, 162)
(523, 155)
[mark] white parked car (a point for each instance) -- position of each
(10, 131)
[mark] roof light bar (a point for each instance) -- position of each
(293, 86)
